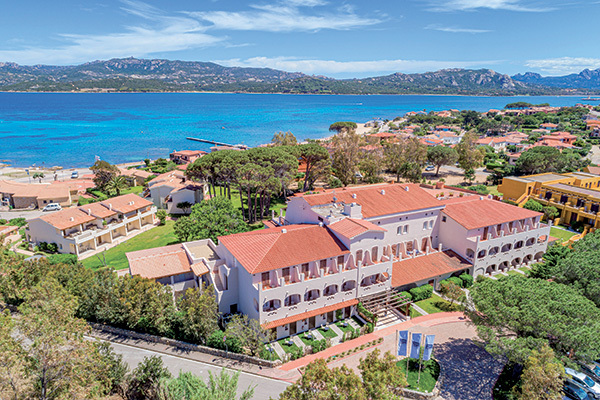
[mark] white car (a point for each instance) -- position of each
(52, 207)
(585, 381)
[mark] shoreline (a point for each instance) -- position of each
(298, 94)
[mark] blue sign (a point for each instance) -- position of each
(415, 347)
(428, 347)
(402, 343)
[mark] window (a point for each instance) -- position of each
(286, 274)
(405, 229)
(399, 230)
(425, 225)
(323, 264)
(444, 219)
(340, 260)
(305, 270)
(431, 224)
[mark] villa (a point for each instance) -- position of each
(87, 229)
(334, 249)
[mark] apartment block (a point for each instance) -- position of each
(85, 229)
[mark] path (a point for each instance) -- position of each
(265, 387)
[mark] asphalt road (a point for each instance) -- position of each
(265, 387)
(28, 215)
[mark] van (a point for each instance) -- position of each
(52, 207)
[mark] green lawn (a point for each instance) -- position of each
(513, 272)
(115, 257)
(436, 304)
(344, 329)
(276, 203)
(327, 333)
(525, 270)
(288, 348)
(429, 374)
(494, 190)
(307, 341)
(414, 313)
(561, 233)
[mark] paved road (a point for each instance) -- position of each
(265, 387)
(468, 371)
(28, 215)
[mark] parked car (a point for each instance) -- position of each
(574, 391)
(585, 381)
(592, 370)
(429, 168)
(74, 175)
(52, 207)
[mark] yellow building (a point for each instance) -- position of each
(576, 195)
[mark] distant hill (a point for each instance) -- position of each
(131, 74)
(586, 79)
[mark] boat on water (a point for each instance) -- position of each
(589, 98)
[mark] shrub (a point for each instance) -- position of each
(577, 226)
(215, 340)
(467, 280)
(162, 216)
(3, 221)
(334, 182)
(421, 292)
(407, 295)
(20, 222)
(370, 327)
(366, 313)
(454, 279)
(533, 206)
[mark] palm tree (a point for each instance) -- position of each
(117, 183)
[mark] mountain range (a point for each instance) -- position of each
(157, 75)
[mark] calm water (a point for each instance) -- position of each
(70, 129)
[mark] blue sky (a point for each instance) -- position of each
(349, 38)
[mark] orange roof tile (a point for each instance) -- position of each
(159, 262)
(473, 213)
(269, 249)
(373, 203)
(200, 268)
(308, 314)
(67, 218)
(97, 210)
(126, 203)
(350, 227)
(428, 266)
(6, 229)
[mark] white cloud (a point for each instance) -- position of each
(471, 5)
(362, 68)
(453, 29)
(285, 16)
(161, 33)
(563, 65)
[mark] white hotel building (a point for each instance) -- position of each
(339, 247)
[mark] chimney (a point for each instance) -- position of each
(382, 191)
(72, 219)
(89, 211)
(110, 206)
(480, 197)
(321, 224)
(406, 188)
(284, 230)
(353, 195)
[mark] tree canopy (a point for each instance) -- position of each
(406, 158)
(441, 155)
(210, 219)
(515, 315)
(343, 126)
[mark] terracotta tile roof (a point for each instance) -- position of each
(36, 190)
(308, 314)
(473, 213)
(200, 268)
(98, 210)
(268, 249)
(126, 203)
(395, 200)
(142, 174)
(350, 227)
(188, 153)
(175, 174)
(593, 170)
(429, 266)
(159, 262)
(67, 218)
(383, 135)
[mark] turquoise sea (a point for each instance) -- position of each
(70, 129)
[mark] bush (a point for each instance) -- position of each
(407, 295)
(421, 292)
(319, 345)
(334, 182)
(577, 226)
(534, 206)
(20, 222)
(454, 279)
(162, 216)
(70, 259)
(215, 340)
(3, 221)
(481, 189)
(48, 247)
(366, 313)
(467, 280)
(370, 327)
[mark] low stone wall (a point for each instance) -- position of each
(413, 394)
(183, 345)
